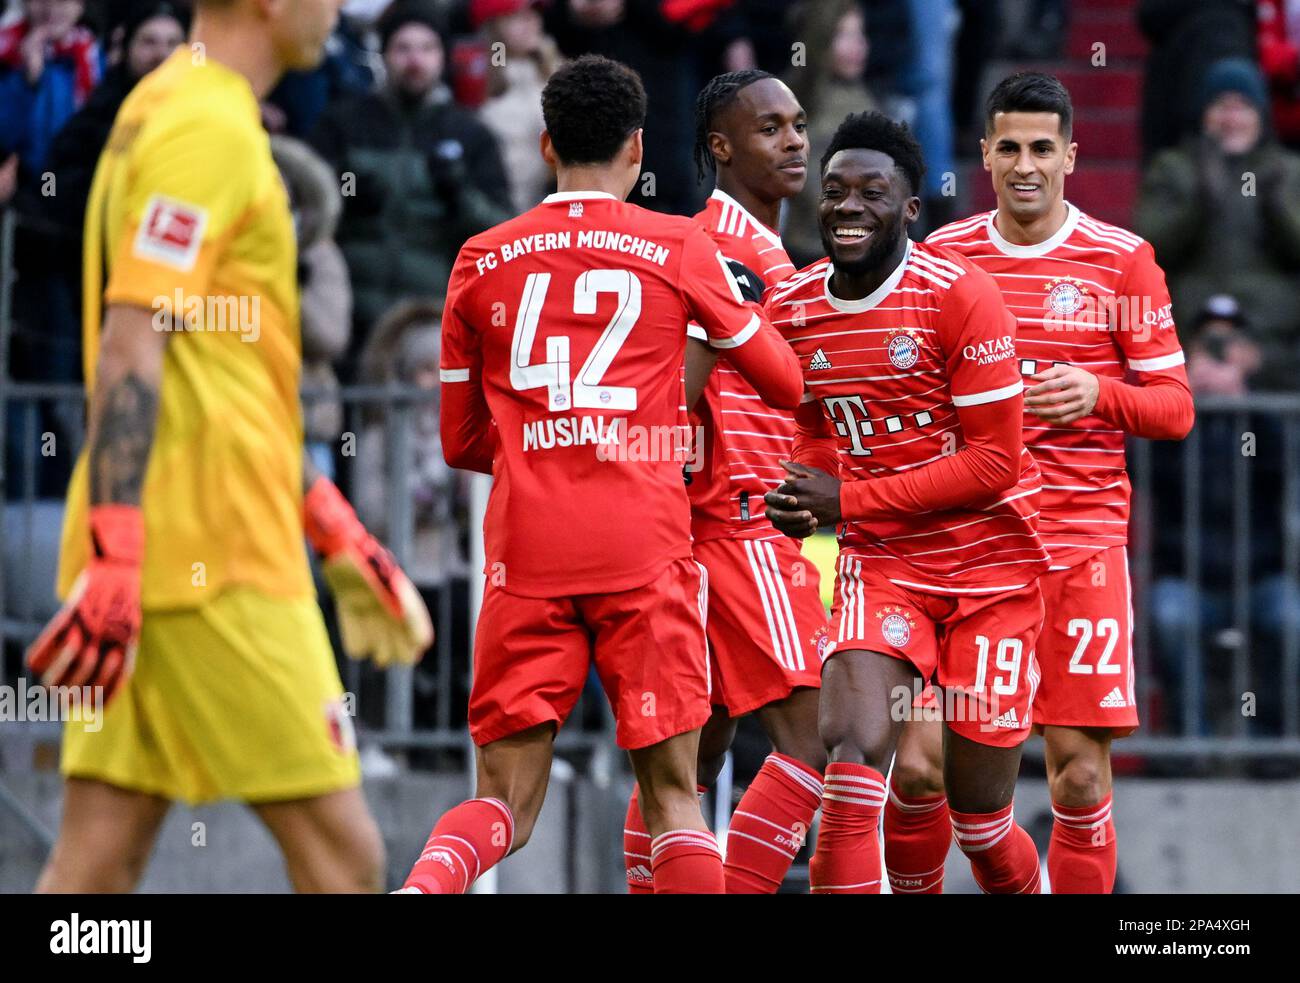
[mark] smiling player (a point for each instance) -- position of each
(913, 420)
(1092, 309)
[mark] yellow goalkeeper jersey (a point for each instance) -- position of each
(188, 219)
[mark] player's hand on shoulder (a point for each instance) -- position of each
(92, 639)
(381, 615)
(1062, 394)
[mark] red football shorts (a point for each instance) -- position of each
(767, 624)
(1086, 649)
(532, 657)
(978, 648)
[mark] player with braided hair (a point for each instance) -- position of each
(766, 625)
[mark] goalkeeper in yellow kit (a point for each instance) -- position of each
(188, 592)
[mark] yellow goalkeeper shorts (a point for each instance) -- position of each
(239, 699)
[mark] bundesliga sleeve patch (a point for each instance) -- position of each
(171, 233)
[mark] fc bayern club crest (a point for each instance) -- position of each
(896, 626)
(1065, 296)
(903, 350)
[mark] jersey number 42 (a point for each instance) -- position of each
(563, 390)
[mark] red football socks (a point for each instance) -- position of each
(467, 840)
(636, 849)
(1002, 855)
(686, 861)
(847, 859)
(770, 825)
(918, 832)
(1081, 855)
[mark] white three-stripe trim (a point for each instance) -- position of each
(781, 625)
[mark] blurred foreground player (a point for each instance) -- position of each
(767, 623)
(915, 403)
(185, 519)
(1092, 309)
(563, 342)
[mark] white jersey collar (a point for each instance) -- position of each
(1037, 248)
(577, 196)
(872, 299)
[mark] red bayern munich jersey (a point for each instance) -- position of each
(745, 440)
(575, 315)
(889, 372)
(1092, 296)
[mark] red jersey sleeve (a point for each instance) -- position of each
(978, 337)
(977, 334)
(469, 438)
(739, 328)
(1159, 406)
(815, 443)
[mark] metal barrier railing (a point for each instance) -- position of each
(1238, 681)
(387, 700)
(1212, 668)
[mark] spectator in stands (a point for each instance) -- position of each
(1186, 39)
(1221, 357)
(829, 87)
(419, 175)
(522, 57)
(324, 294)
(928, 82)
(403, 350)
(49, 65)
(1223, 213)
(642, 35)
(1042, 33)
(1221, 362)
(1279, 56)
(47, 302)
(975, 46)
(298, 100)
(747, 34)
(153, 31)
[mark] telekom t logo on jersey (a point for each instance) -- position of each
(853, 420)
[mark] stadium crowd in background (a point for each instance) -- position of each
(420, 129)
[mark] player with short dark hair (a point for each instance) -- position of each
(767, 623)
(1092, 307)
(563, 340)
(909, 441)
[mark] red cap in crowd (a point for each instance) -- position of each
(482, 11)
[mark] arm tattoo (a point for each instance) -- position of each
(119, 447)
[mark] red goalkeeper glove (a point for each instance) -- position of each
(92, 640)
(381, 614)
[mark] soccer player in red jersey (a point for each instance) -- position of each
(563, 339)
(1091, 309)
(909, 440)
(767, 623)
